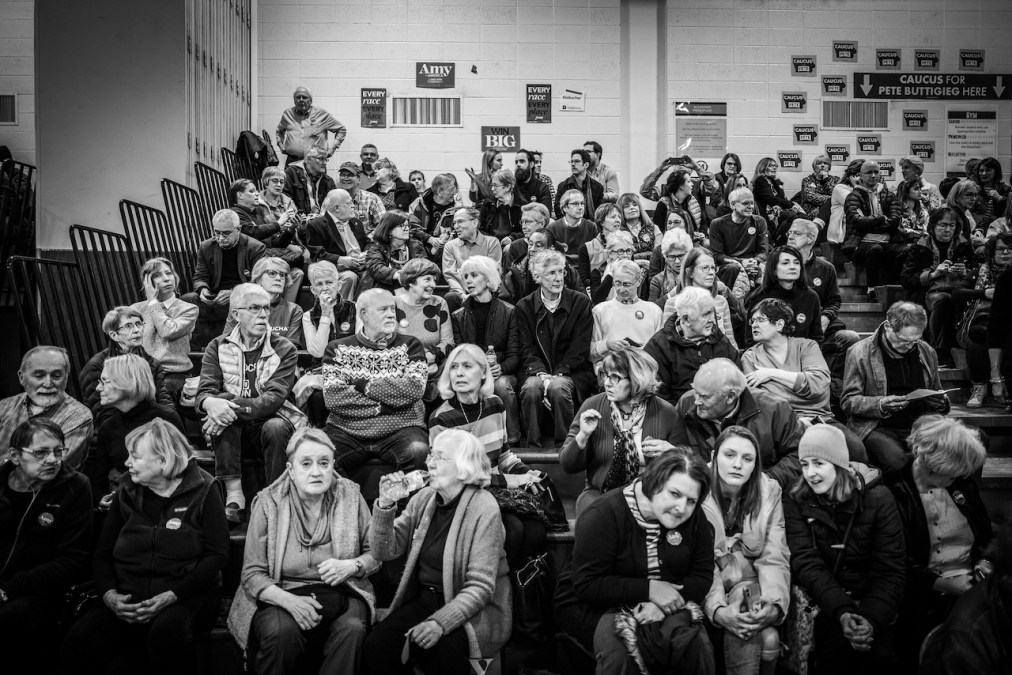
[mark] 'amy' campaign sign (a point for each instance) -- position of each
(806, 134)
(374, 108)
(433, 75)
(803, 66)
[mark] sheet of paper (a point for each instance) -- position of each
(917, 394)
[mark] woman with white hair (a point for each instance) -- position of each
(452, 603)
(491, 323)
(285, 317)
(699, 269)
(392, 191)
(620, 246)
(945, 523)
(675, 245)
(626, 320)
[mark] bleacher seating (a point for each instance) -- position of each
(107, 263)
(151, 235)
(213, 187)
(17, 219)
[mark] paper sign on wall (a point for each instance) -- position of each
(539, 103)
(503, 139)
(793, 102)
(845, 51)
(701, 129)
(869, 144)
(971, 59)
(887, 169)
(435, 75)
(803, 66)
(839, 153)
(969, 134)
(572, 101)
(374, 108)
(927, 59)
(887, 59)
(923, 149)
(790, 160)
(834, 85)
(915, 120)
(806, 134)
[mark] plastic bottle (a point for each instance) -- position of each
(396, 490)
(490, 355)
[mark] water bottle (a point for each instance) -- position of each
(396, 490)
(490, 355)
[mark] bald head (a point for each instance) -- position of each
(869, 174)
(335, 199)
(720, 373)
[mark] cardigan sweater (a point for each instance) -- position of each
(167, 329)
(476, 588)
(809, 395)
(267, 541)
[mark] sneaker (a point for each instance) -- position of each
(233, 514)
(978, 393)
(871, 295)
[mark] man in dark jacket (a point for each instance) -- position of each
(429, 216)
(45, 540)
(873, 218)
(555, 330)
(223, 262)
(689, 339)
(529, 187)
(719, 399)
(592, 191)
(309, 184)
(337, 236)
(246, 378)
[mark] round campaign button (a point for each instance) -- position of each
(816, 281)
(801, 318)
(173, 524)
(404, 323)
(345, 327)
(639, 315)
(46, 519)
(751, 230)
(674, 537)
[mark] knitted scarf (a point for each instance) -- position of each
(652, 530)
(627, 460)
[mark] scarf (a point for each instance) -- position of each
(627, 459)
(652, 530)
(301, 516)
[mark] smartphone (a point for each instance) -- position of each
(750, 600)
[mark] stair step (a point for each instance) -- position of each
(866, 307)
(861, 321)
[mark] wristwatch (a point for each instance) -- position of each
(358, 568)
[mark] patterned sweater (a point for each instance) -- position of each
(487, 421)
(373, 391)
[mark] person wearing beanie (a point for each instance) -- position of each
(848, 554)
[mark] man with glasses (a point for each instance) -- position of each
(304, 126)
(873, 214)
(223, 262)
(468, 242)
(45, 540)
(720, 398)
(246, 379)
(881, 370)
(43, 375)
(740, 240)
(124, 326)
(368, 206)
(582, 182)
(689, 338)
(338, 237)
(573, 229)
(307, 182)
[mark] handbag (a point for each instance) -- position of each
(537, 501)
(532, 600)
(798, 631)
(334, 599)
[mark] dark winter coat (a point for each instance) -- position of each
(501, 332)
(678, 359)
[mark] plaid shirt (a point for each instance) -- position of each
(73, 417)
(369, 208)
(551, 188)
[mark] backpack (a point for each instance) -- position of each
(255, 152)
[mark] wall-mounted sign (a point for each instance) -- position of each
(927, 59)
(794, 102)
(887, 59)
(503, 139)
(923, 149)
(933, 86)
(845, 50)
(834, 85)
(803, 66)
(915, 120)
(887, 169)
(790, 160)
(701, 129)
(839, 153)
(435, 75)
(572, 101)
(539, 103)
(971, 59)
(374, 108)
(806, 134)
(968, 134)
(869, 144)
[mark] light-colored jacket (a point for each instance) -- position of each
(476, 588)
(764, 542)
(267, 541)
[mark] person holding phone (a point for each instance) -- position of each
(627, 319)
(617, 433)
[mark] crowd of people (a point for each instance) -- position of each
(764, 487)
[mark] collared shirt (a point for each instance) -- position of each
(457, 251)
(347, 236)
(369, 208)
(72, 416)
(608, 177)
(297, 134)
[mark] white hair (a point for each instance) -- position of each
(241, 293)
(738, 193)
(484, 266)
(692, 298)
(676, 238)
(628, 266)
(619, 237)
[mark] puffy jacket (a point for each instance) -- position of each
(678, 359)
(866, 535)
(501, 331)
(857, 208)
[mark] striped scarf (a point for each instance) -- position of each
(653, 531)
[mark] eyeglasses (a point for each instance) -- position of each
(614, 378)
(128, 327)
(1002, 249)
(437, 459)
(673, 257)
(758, 319)
(275, 274)
(623, 251)
(746, 202)
(576, 204)
(529, 221)
(257, 310)
(224, 235)
(43, 453)
(277, 181)
(457, 221)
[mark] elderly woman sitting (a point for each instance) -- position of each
(390, 249)
(163, 544)
(45, 534)
(305, 569)
(285, 317)
(392, 191)
(645, 552)
(792, 369)
(616, 433)
(423, 314)
(491, 323)
(128, 390)
(452, 602)
(945, 524)
(627, 319)
(593, 255)
(257, 220)
(675, 245)
(620, 246)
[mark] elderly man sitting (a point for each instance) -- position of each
(689, 338)
(880, 371)
(373, 384)
(246, 378)
(720, 398)
(338, 237)
(43, 375)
